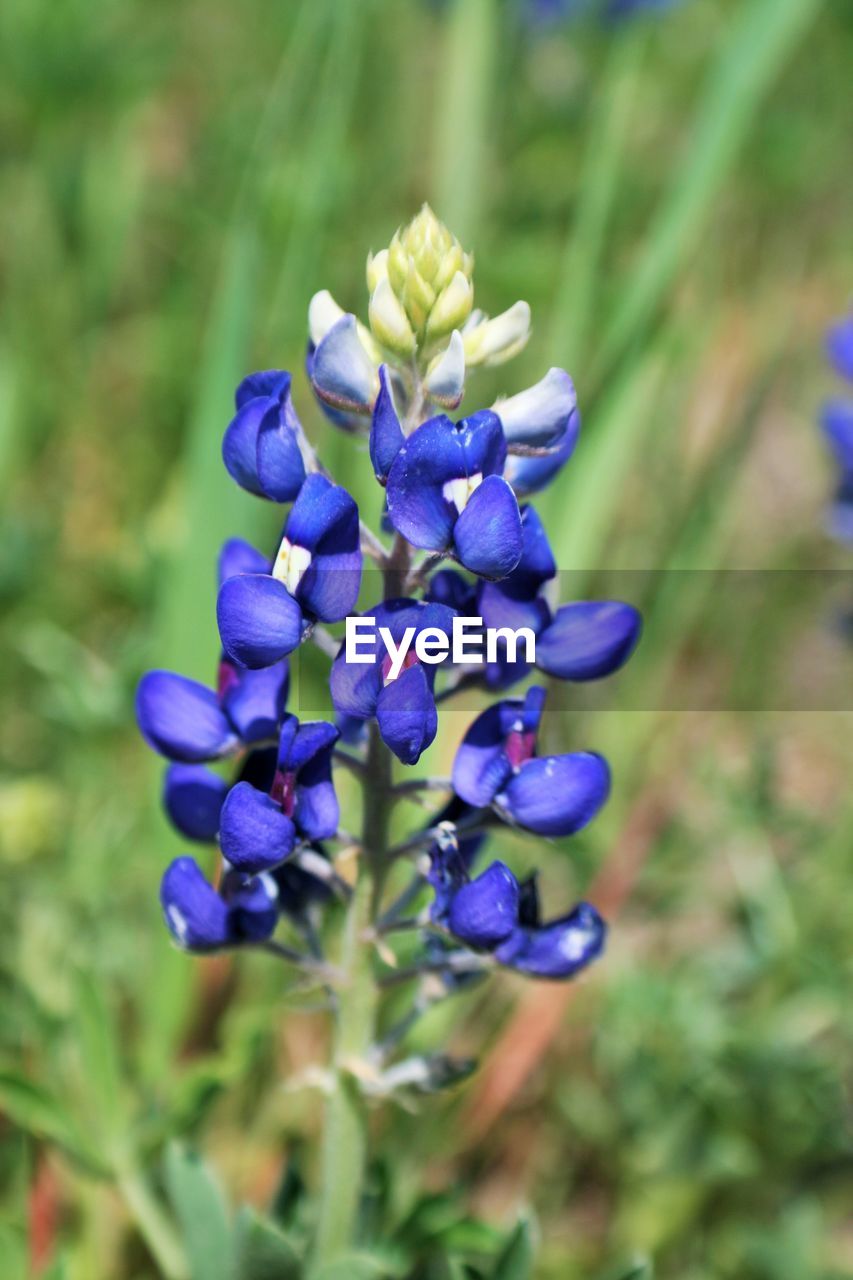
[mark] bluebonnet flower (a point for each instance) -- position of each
(316, 575)
(201, 918)
(452, 489)
(403, 706)
(496, 765)
(836, 421)
(445, 493)
(261, 826)
(261, 447)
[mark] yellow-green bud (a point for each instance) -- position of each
(377, 268)
(389, 321)
(452, 307)
(494, 341)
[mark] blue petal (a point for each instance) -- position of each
(529, 475)
(252, 903)
(196, 916)
(839, 346)
(405, 710)
(259, 621)
(255, 702)
(181, 718)
(193, 797)
(417, 507)
(317, 812)
(556, 795)
(253, 832)
(588, 639)
(449, 587)
(386, 434)
(267, 383)
(300, 743)
(543, 415)
(239, 556)
(280, 465)
(484, 912)
(342, 373)
(349, 422)
(481, 768)
(240, 444)
(324, 520)
(487, 538)
(559, 949)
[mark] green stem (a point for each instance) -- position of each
(344, 1154)
(153, 1223)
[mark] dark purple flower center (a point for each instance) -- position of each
(519, 747)
(226, 679)
(284, 791)
(410, 660)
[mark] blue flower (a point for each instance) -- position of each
(316, 575)
(202, 919)
(193, 797)
(481, 912)
(496, 765)
(446, 493)
(261, 445)
(837, 424)
(557, 949)
(405, 706)
(386, 431)
(260, 824)
(342, 373)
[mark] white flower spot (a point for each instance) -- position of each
(457, 492)
(291, 564)
(178, 922)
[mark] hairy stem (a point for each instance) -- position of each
(344, 1154)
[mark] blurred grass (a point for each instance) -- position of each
(673, 202)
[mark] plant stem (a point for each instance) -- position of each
(153, 1223)
(344, 1154)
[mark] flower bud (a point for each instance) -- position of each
(377, 268)
(323, 313)
(452, 307)
(389, 321)
(492, 342)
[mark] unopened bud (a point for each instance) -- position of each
(452, 307)
(494, 341)
(377, 268)
(389, 321)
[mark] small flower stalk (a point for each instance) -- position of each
(419, 908)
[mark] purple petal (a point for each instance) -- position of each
(193, 797)
(556, 795)
(386, 434)
(484, 912)
(259, 621)
(559, 949)
(588, 639)
(181, 718)
(195, 915)
(252, 903)
(253, 832)
(267, 383)
(317, 812)
(481, 768)
(280, 465)
(255, 702)
(487, 537)
(543, 415)
(239, 556)
(300, 743)
(240, 444)
(405, 710)
(342, 373)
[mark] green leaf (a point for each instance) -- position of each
(263, 1251)
(515, 1261)
(200, 1208)
(638, 1269)
(41, 1114)
(356, 1266)
(95, 1034)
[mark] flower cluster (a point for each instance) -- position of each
(247, 775)
(837, 423)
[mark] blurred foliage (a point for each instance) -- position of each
(674, 201)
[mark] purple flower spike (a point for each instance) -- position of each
(316, 574)
(496, 765)
(556, 950)
(588, 639)
(261, 445)
(403, 704)
(839, 347)
(446, 493)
